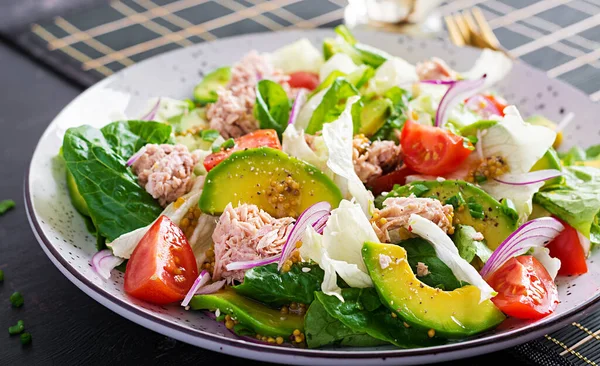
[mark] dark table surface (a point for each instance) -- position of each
(67, 326)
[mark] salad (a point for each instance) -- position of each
(342, 197)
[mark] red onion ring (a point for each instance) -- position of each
(458, 91)
(300, 100)
(103, 262)
(136, 156)
(245, 265)
(152, 113)
(202, 279)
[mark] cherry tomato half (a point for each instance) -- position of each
(162, 268)
(568, 249)
(259, 138)
(303, 79)
(525, 289)
(386, 182)
(432, 150)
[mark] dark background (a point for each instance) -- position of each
(67, 326)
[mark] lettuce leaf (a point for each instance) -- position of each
(393, 73)
(332, 105)
(97, 161)
(579, 156)
(298, 56)
(577, 201)
(468, 247)
(340, 62)
(272, 107)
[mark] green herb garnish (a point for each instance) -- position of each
(1, 275)
(16, 299)
(456, 201)
(6, 205)
(209, 135)
(25, 338)
(228, 144)
(475, 208)
(419, 189)
(17, 329)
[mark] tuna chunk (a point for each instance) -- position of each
(247, 233)
(372, 159)
(232, 114)
(435, 69)
(165, 171)
(396, 212)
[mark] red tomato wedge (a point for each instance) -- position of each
(259, 138)
(568, 249)
(498, 102)
(303, 79)
(162, 268)
(486, 104)
(525, 289)
(386, 182)
(432, 150)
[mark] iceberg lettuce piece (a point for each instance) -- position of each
(393, 72)
(338, 62)
(552, 265)
(447, 252)
(294, 144)
(308, 109)
(298, 56)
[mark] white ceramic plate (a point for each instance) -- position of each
(62, 234)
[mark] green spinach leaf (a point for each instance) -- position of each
(440, 275)
(468, 247)
(322, 329)
(333, 104)
(377, 322)
(272, 108)
(97, 160)
(270, 286)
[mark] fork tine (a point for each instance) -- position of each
(462, 27)
(470, 22)
(485, 29)
(455, 35)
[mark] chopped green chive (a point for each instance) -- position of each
(419, 189)
(480, 178)
(475, 209)
(6, 205)
(228, 144)
(456, 201)
(1, 275)
(25, 338)
(209, 135)
(17, 329)
(16, 299)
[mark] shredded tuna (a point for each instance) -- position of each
(478, 236)
(246, 233)
(232, 114)
(422, 269)
(372, 159)
(396, 212)
(435, 69)
(165, 171)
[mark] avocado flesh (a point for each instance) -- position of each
(249, 313)
(471, 130)
(550, 160)
(254, 176)
(496, 225)
(206, 91)
(451, 314)
(374, 115)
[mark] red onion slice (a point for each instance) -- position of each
(245, 265)
(150, 116)
(202, 279)
(483, 107)
(307, 218)
(440, 82)
(211, 288)
(457, 92)
(104, 261)
(534, 233)
(136, 156)
(319, 226)
(528, 178)
(300, 99)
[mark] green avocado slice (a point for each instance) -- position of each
(249, 313)
(206, 91)
(274, 181)
(451, 314)
(473, 207)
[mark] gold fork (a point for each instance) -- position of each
(471, 28)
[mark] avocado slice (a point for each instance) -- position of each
(76, 198)
(374, 114)
(249, 313)
(550, 160)
(274, 181)
(206, 91)
(491, 218)
(451, 314)
(471, 130)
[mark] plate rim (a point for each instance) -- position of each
(216, 342)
